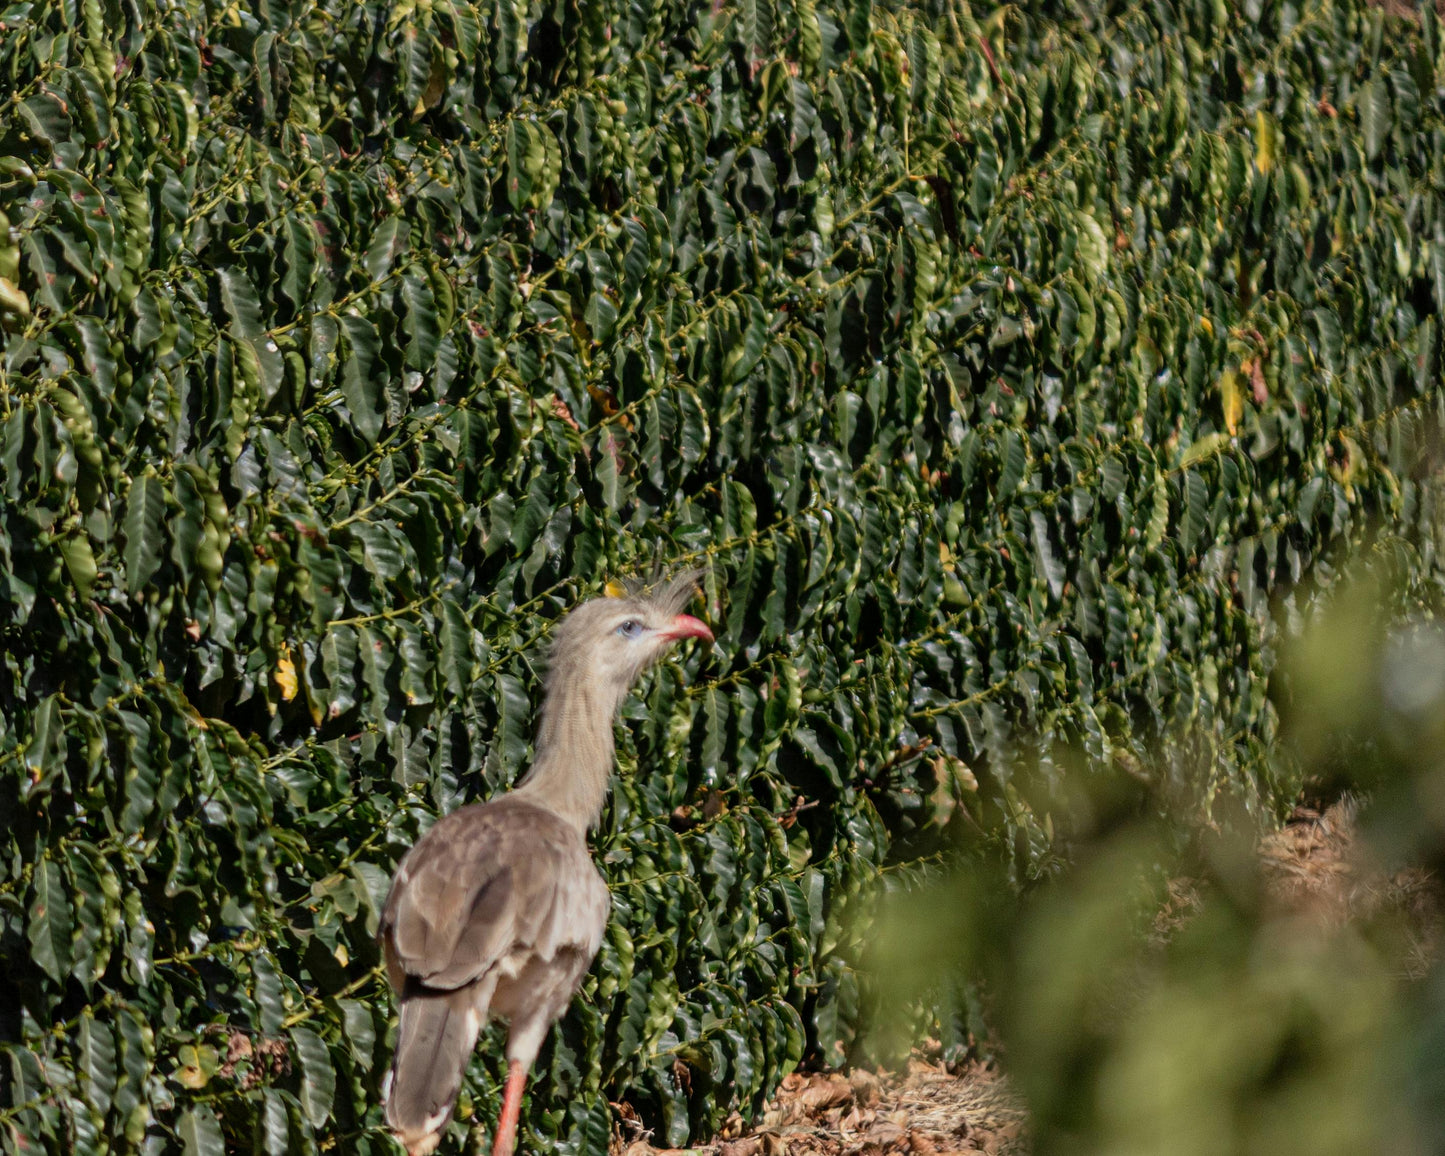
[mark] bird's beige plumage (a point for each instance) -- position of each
(498, 911)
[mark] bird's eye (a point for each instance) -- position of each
(630, 629)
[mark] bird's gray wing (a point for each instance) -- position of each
(485, 882)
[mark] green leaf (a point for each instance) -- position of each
(142, 777)
(95, 1062)
(416, 663)
(600, 315)
(361, 377)
(79, 562)
(610, 469)
(1049, 566)
(422, 67)
(275, 1124)
(421, 321)
(200, 1132)
(261, 364)
(458, 663)
(1196, 509)
(137, 1052)
(318, 1077)
(90, 947)
(377, 656)
(824, 750)
(387, 243)
(1158, 524)
(360, 1027)
(143, 527)
(513, 717)
(44, 116)
(714, 734)
(1013, 457)
(267, 993)
(385, 551)
(49, 924)
(1373, 101)
(339, 658)
(242, 305)
(299, 251)
(46, 727)
(757, 21)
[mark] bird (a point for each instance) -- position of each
(498, 910)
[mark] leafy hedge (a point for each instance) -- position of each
(1005, 375)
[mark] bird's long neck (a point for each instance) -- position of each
(573, 763)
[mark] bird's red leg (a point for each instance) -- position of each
(506, 1137)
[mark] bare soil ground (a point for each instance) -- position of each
(1313, 865)
(927, 1110)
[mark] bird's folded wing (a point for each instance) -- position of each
(483, 883)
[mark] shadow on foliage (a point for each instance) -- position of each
(1164, 993)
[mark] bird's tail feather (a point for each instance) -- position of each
(435, 1038)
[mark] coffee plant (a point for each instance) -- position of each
(1015, 375)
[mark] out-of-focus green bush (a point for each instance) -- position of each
(1163, 995)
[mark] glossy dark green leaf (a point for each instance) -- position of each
(421, 321)
(144, 530)
(242, 304)
(267, 993)
(318, 1077)
(299, 253)
(274, 1125)
(96, 917)
(361, 376)
(40, 759)
(45, 117)
(513, 716)
(339, 656)
(458, 659)
(360, 1030)
(1014, 463)
(96, 1062)
(50, 921)
(1048, 563)
(80, 562)
(200, 1132)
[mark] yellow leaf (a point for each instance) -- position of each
(1266, 141)
(13, 298)
(285, 675)
(1345, 464)
(1231, 399)
(195, 1066)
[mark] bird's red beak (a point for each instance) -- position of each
(686, 626)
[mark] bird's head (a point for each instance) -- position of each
(608, 642)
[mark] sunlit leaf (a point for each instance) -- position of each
(318, 1077)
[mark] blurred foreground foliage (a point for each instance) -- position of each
(1165, 993)
(1010, 369)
